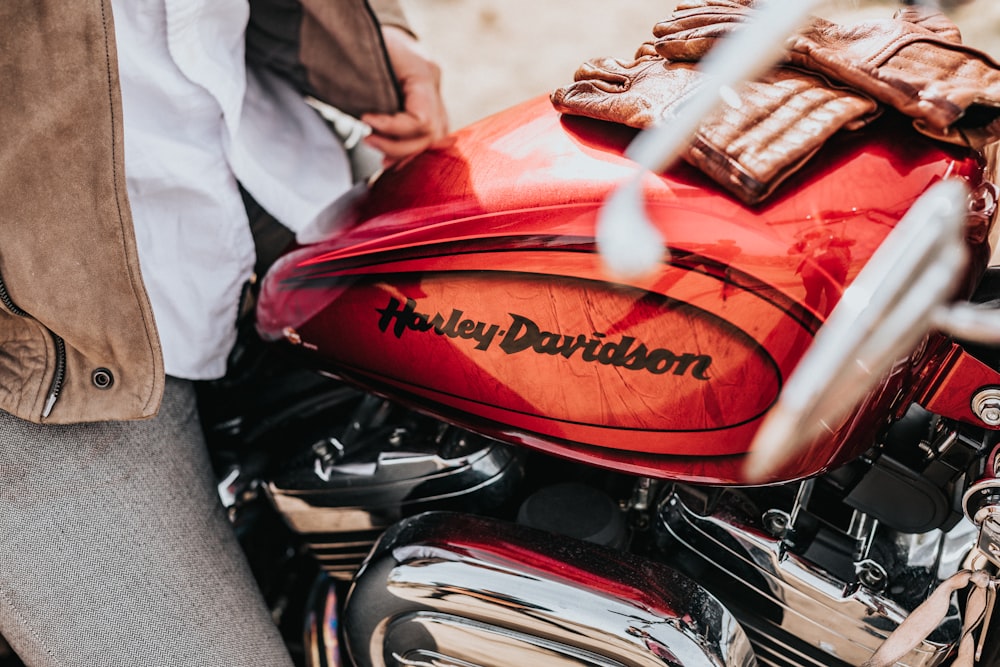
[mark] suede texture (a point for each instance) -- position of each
(329, 49)
(344, 55)
(67, 248)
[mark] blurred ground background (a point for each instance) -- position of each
(495, 53)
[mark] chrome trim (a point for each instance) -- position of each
(455, 589)
(843, 620)
(341, 503)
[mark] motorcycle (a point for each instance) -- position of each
(479, 446)
(451, 436)
(489, 451)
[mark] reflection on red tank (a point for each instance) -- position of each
(468, 286)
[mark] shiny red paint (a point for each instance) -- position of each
(953, 379)
(467, 285)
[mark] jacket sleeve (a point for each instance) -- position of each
(332, 50)
(390, 12)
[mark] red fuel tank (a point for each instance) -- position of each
(467, 284)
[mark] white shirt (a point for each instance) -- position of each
(196, 122)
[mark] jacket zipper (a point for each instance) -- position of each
(59, 377)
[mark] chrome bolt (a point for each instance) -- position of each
(776, 523)
(871, 575)
(986, 405)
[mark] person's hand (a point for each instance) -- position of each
(423, 122)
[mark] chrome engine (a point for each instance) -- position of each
(490, 555)
(453, 589)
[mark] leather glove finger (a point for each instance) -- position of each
(693, 28)
(636, 93)
(932, 20)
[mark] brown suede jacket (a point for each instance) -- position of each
(77, 338)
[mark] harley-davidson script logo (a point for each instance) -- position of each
(523, 334)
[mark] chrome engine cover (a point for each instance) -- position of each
(454, 589)
(796, 613)
(386, 463)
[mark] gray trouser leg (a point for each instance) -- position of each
(114, 550)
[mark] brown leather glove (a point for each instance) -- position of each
(637, 93)
(694, 27)
(950, 90)
(785, 117)
(913, 62)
